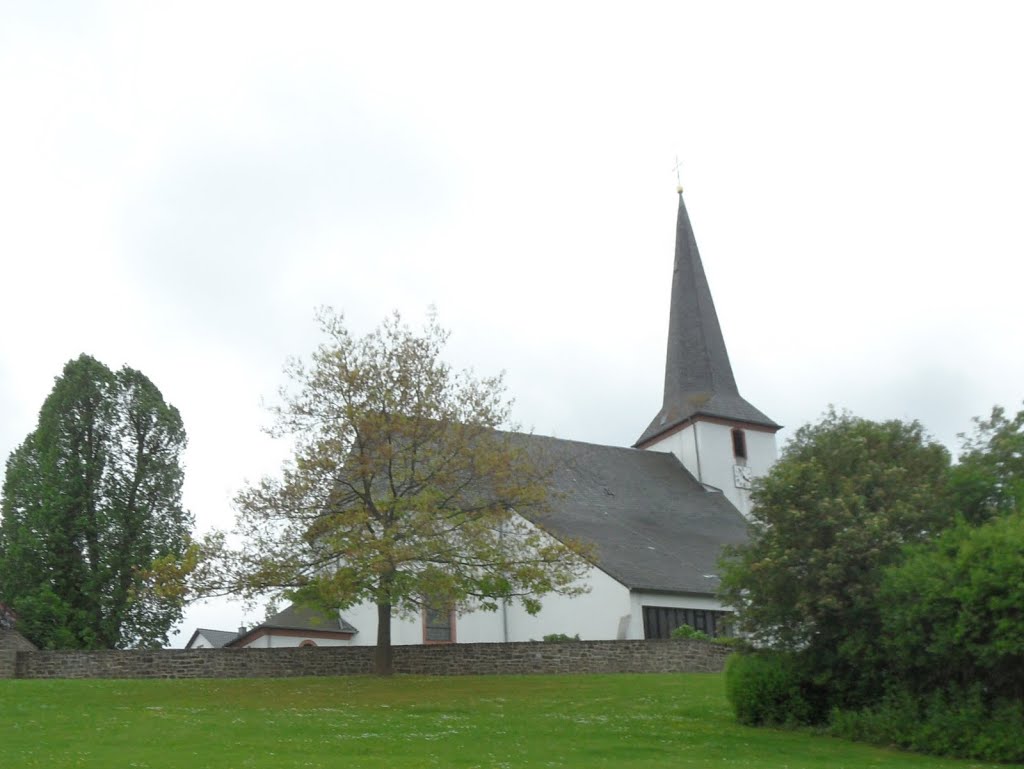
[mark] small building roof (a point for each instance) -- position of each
(217, 638)
(295, 617)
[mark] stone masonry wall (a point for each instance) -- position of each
(672, 656)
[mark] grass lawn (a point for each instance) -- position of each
(617, 721)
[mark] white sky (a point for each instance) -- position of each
(182, 183)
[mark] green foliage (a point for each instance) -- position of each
(773, 689)
(952, 611)
(690, 633)
(91, 501)
(733, 642)
(687, 633)
(558, 638)
(954, 722)
(401, 491)
(894, 583)
(843, 500)
(988, 479)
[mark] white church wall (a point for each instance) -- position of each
(601, 614)
(598, 615)
(608, 612)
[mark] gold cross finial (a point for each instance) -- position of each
(679, 181)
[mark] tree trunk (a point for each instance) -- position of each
(382, 656)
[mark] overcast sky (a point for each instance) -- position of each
(181, 184)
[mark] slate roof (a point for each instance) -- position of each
(303, 618)
(654, 526)
(217, 638)
(299, 618)
(698, 376)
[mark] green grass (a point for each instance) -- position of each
(621, 721)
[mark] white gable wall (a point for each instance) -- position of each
(201, 642)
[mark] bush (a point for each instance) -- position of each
(951, 612)
(770, 688)
(690, 633)
(687, 633)
(951, 723)
(731, 641)
(558, 638)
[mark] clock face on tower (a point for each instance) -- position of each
(742, 476)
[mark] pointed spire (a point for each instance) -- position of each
(698, 376)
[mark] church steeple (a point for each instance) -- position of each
(698, 376)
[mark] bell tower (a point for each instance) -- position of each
(718, 436)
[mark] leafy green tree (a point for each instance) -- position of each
(843, 500)
(952, 641)
(953, 611)
(91, 503)
(401, 491)
(988, 479)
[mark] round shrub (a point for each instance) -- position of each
(770, 688)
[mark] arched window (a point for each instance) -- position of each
(307, 643)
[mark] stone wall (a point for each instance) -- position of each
(672, 656)
(8, 663)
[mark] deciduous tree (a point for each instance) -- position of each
(92, 502)
(988, 479)
(402, 490)
(953, 611)
(843, 500)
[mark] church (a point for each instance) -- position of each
(656, 514)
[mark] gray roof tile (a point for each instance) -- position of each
(217, 638)
(654, 526)
(296, 617)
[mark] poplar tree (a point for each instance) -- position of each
(91, 514)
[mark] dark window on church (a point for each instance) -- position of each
(660, 621)
(438, 625)
(739, 444)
